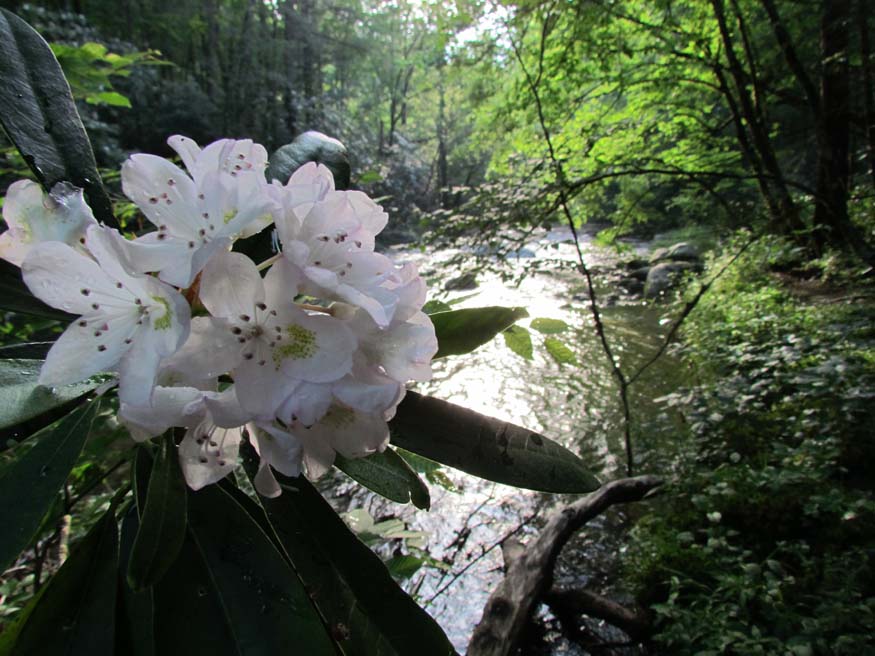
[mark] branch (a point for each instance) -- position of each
(529, 575)
(569, 605)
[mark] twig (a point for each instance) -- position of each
(533, 84)
(528, 577)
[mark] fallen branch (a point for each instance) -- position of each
(570, 605)
(530, 573)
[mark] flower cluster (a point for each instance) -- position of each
(311, 359)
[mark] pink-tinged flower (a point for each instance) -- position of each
(34, 217)
(268, 343)
(329, 236)
(198, 216)
(341, 429)
(128, 322)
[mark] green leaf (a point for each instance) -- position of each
(433, 471)
(436, 306)
(560, 351)
(39, 115)
(404, 566)
(111, 98)
(549, 326)
(519, 340)
(351, 584)
(264, 601)
(135, 629)
(189, 617)
(370, 176)
(25, 351)
(311, 146)
(462, 331)
(28, 485)
(74, 613)
(21, 398)
(487, 447)
(16, 297)
(163, 521)
(388, 475)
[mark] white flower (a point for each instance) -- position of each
(129, 321)
(256, 331)
(34, 217)
(342, 430)
(329, 236)
(196, 218)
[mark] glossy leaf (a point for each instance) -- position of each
(519, 340)
(39, 115)
(434, 306)
(549, 326)
(189, 615)
(487, 447)
(264, 601)
(388, 475)
(135, 630)
(462, 331)
(162, 522)
(351, 584)
(16, 297)
(74, 614)
(22, 399)
(559, 351)
(28, 485)
(25, 351)
(311, 146)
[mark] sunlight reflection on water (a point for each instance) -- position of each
(576, 406)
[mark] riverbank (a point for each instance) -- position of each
(764, 541)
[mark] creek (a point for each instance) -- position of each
(577, 406)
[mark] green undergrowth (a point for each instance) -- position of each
(764, 542)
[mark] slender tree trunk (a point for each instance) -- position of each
(442, 166)
(785, 213)
(832, 130)
(868, 84)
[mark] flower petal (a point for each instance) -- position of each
(163, 192)
(207, 454)
(231, 286)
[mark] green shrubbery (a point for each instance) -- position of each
(764, 542)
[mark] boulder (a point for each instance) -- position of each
(663, 277)
(640, 274)
(680, 252)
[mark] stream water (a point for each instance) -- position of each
(578, 406)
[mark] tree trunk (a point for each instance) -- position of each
(868, 85)
(785, 213)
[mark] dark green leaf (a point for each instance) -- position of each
(25, 351)
(404, 566)
(311, 146)
(519, 340)
(388, 475)
(74, 614)
(22, 399)
(549, 326)
(135, 632)
(462, 331)
(487, 447)
(350, 583)
(350, 626)
(39, 115)
(189, 615)
(560, 351)
(28, 485)
(163, 520)
(264, 601)
(436, 306)
(16, 297)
